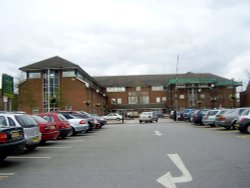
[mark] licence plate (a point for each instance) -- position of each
(16, 134)
(52, 127)
(36, 139)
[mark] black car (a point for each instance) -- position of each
(11, 141)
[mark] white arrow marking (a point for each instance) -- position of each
(168, 180)
(157, 133)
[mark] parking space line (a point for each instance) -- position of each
(25, 157)
(6, 175)
(69, 141)
(247, 137)
(227, 131)
(51, 147)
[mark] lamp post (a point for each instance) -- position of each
(213, 97)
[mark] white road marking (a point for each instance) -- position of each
(168, 180)
(245, 137)
(6, 175)
(23, 157)
(51, 147)
(157, 133)
(69, 141)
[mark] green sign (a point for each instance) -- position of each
(7, 86)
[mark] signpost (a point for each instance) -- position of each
(7, 90)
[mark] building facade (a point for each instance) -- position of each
(245, 97)
(56, 83)
(169, 92)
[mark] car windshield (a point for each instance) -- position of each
(25, 121)
(39, 119)
(212, 113)
(246, 112)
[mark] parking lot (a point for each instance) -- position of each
(130, 154)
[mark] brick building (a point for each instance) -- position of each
(56, 83)
(245, 97)
(170, 91)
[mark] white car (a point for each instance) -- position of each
(113, 116)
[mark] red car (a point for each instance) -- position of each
(48, 129)
(61, 123)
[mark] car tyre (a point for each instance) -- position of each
(118, 119)
(30, 147)
(248, 129)
(2, 157)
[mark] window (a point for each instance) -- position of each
(35, 110)
(182, 96)
(116, 89)
(138, 88)
(158, 99)
(69, 108)
(144, 100)
(34, 74)
(113, 101)
(11, 122)
(202, 96)
(119, 101)
(133, 100)
(69, 74)
(157, 88)
(3, 121)
(164, 99)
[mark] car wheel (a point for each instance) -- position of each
(118, 119)
(31, 147)
(140, 121)
(43, 141)
(248, 129)
(2, 157)
(242, 130)
(73, 131)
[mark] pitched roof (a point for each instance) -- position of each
(134, 80)
(54, 62)
(58, 63)
(161, 80)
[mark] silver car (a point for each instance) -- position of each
(229, 119)
(210, 117)
(32, 133)
(148, 117)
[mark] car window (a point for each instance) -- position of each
(25, 121)
(245, 112)
(61, 117)
(3, 121)
(11, 122)
(240, 111)
(39, 119)
(212, 113)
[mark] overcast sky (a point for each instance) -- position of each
(128, 37)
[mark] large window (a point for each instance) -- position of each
(51, 93)
(34, 75)
(157, 88)
(116, 89)
(69, 74)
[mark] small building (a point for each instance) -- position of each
(57, 84)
